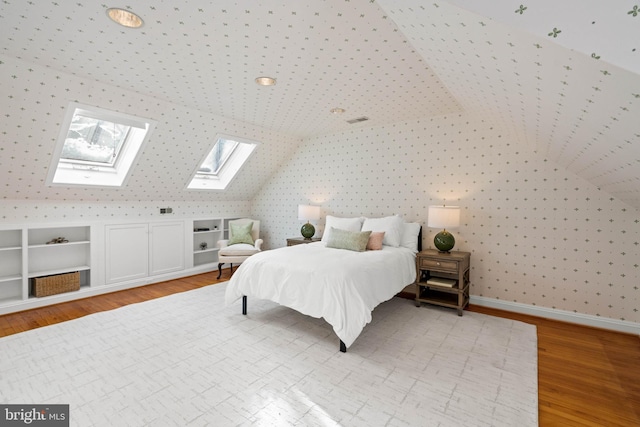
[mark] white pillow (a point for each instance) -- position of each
(391, 225)
(349, 224)
(410, 231)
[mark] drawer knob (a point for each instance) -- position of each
(437, 263)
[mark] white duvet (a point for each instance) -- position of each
(339, 285)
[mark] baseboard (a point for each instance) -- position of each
(562, 315)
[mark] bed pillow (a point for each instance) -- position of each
(350, 240)
(241, 234)
(410, 231)
(375, 241)
(349, 224)
(391, 225)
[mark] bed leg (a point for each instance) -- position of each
(244, 305)
(343, 348)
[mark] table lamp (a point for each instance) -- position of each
(444, 217)
(308, 213)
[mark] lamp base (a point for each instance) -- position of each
(444, 241)
(307, 231)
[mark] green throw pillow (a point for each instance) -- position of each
(350, 240)
(241, 234)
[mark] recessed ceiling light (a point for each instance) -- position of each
(124, 17)
(266, 81)
(337, 110)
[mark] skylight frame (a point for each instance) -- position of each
(203, 181)
(83, 173)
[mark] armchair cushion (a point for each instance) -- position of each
(241, 233)
(239, 249)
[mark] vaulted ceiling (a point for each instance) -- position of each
(563, 79)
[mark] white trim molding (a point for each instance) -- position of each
(562, 315)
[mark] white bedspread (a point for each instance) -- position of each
(341, 286)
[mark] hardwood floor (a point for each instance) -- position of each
(586, 376)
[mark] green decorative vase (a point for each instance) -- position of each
(444, 241)
(308, 230)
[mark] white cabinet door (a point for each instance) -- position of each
(166, 247)
(127, 252)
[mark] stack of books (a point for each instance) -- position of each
(441, 281)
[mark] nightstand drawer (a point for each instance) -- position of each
(432, 264)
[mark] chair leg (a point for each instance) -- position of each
(220, 269)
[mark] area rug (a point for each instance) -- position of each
(187, 360)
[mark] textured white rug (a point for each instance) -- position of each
(187, 360)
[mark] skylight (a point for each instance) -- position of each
(217, 157)
(221, 163)
(97, 147)
(93, 141)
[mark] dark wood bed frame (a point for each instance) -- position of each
(343, 348)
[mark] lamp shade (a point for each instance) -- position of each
(308, 213)
(444, 217)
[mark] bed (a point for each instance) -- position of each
(321, 280)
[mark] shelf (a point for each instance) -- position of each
(10, 240)
(445, 300)
(211, 237)
(10, 278)
(9, 300)
(38, 237)
(58, 271)
(58, 245)
(82, 287)
(453, 289)
(205, 251)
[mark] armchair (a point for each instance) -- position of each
(235, 253)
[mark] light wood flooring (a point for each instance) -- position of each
(586, 376)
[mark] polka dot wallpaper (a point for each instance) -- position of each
(602, 30)
(37, 99)
(538, 235)
(46, 211)
(577, 110)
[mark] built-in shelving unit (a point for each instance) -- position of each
(108, 256)
(206, 232)
(11, 265)
(26, 253)
(46, 258)
(225, 227)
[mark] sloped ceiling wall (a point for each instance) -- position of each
(573, 109)
(35, 103)
(192, 66)
(602, 30)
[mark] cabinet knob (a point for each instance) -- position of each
(437, 263)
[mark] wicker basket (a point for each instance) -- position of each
(51, 285)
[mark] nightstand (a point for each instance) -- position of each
(443, 279)
(292, 241)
